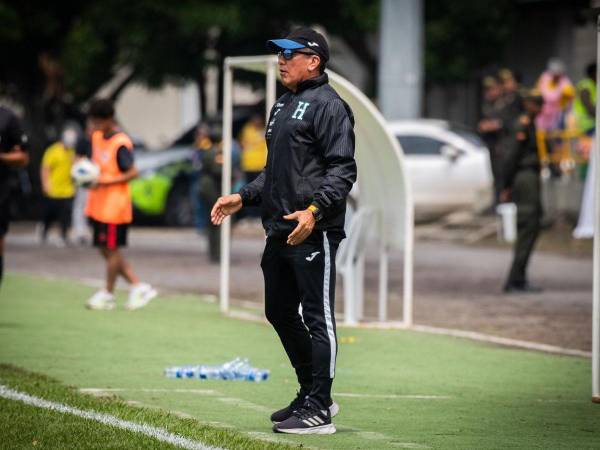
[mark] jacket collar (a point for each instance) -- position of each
(312, 83)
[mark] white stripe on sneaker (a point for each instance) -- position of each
(319, 420)
(327, 305)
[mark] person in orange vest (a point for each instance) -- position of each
(109, 206)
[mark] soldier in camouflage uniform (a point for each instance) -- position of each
(522, 186)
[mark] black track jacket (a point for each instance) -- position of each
(310, 142)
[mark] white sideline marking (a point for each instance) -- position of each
(472, 335)
(276, 438)
(369, 435)
(246, 404)
(503, 341)
(392, 396)
(180, 414)
(185, 391)
(107, 419)
(482, 337)
(376, 436)
(229, 400)
(243, 404)
(408, 445)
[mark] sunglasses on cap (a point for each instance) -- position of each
(288, 54)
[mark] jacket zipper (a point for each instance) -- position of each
(275, 141)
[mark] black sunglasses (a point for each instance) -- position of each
(288, 54)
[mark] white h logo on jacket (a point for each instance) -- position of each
(300, 110)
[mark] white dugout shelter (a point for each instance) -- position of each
(596, 267)
(384, 212)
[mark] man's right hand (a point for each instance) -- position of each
(225, 206)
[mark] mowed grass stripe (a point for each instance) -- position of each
(27, 420)
(105, 419)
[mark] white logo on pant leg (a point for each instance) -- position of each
(300, 110)
(312, 256)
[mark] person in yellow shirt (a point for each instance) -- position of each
(254, 153)
(57, 185)
(254, 147)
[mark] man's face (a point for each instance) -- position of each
(510, 85)
(301, 66)
(493, 92)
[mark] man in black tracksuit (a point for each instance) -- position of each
(13, 156)
(302, 192)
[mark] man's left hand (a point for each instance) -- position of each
(306, 223)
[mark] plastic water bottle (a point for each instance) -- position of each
(173, 372)
(208, 373)
(243, 370)
(258, 375)
(238, 369)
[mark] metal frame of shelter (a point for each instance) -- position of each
(385, 206)
(596, 266)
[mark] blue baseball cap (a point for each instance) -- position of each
(301, 38)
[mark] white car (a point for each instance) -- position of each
(448, 166)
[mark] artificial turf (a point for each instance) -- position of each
(396, 389)
(28, 426)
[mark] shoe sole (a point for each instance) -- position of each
(322, 429)
(334, 409)
(145, 300)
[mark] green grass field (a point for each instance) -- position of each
(396, 389)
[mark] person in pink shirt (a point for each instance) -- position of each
(558, 92)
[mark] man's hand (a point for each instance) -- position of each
(306, 223)
(17, 158)
(505, 195)
(225, 206)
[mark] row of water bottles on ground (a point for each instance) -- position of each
(238, 369)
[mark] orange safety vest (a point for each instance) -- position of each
(109, 203)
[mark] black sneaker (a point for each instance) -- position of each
(286, 413)
(308, 419)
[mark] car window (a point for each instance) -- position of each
(467, 134)
(420, 145)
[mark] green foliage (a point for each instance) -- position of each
(85, 57)
(167, 40)
(10, 31)
(159, 39)
(465, 35)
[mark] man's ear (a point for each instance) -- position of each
(315, 63)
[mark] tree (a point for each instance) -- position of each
(462, 36)
(62, 55)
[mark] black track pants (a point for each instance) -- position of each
(304, 275)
